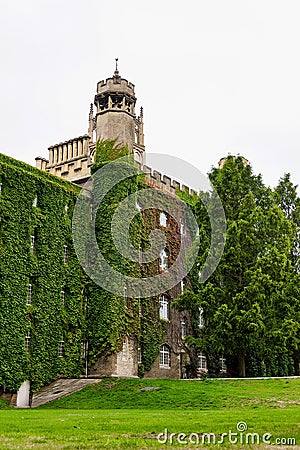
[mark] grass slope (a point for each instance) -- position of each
(117, 414)
(181, 394)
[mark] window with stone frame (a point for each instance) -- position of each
(124, 350)
(163, 219)
(164, 356)
(202, 361)
(163, 307)
(163, 260)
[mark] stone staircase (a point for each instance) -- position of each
(60, 388)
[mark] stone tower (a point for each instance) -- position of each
(115, 114)
(115, 119)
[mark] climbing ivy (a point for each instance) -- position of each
(40, 263)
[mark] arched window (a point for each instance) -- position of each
(163, 260)
(201, 318)
(164, 356)
(163, 220)
(163, 307)
(61, 349)
(124, 350)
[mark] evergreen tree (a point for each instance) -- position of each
(241, 299)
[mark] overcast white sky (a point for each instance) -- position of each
(213, 76)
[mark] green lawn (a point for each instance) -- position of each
(117, 414)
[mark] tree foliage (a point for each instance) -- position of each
(251, 301)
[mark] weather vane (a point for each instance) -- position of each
(117, 59)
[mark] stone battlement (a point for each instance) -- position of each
(115, 84)
(163, 182)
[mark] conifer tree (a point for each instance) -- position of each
(242, 298)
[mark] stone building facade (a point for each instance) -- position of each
(114, 118)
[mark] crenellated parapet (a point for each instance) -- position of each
(162, 182)
(69, 159)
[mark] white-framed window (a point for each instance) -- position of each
(139, 355)
(164, 356)
(124, 350)
(65, 254)
(61, 349)
(84, 346)
(29, 294)
(66, 209)
(201, 318)
(27, 343)
(163, 219)
(183, 329)
(63, 298)
(34, 203)
(182, 229)
(223, 366)
(32, 239)
(181, 286)
(163, 307)
(163, 260)
(202, 361)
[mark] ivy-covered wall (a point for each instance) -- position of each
(66, 308)
(36, 249)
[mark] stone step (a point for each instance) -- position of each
(60, 388)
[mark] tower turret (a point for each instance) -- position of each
(115, 114)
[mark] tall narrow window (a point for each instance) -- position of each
(163, 260)
(182, 286)
(139, 355)
(83, 348)
(27, 343)
(163, 220)
(65, 254)
(202, 362)
(32, 239)
(34, 203)
(63, 298)
(183, 329)
(163, 308)
(66, 209)
(124, 350)
(29, 294)
(61, 349)
(223, 366)
(181, 227)
(164, 356)
(201, 318)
